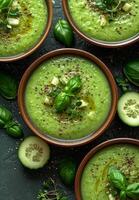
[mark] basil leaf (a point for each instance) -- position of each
(5, 116)
(133, 191)
(117, 178)
(73, 84)
(62, 101)
(14, 129)
(63, 32)
(8, 86)
(131, 71)
(5, 4)
(122, 195)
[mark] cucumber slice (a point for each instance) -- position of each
(33, 152)
(128, 108)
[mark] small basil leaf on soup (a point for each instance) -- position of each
(133, 191)
(62, 101)
(123, 195)
(63, 32)
(5, 116)
(8, 86)
(116, 178)
(74, 84)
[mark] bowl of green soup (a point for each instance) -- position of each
(110, 171)
(68, 97)
(105, 23)
(24, 25)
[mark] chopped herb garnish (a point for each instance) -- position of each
(110, 8)
(9, 15)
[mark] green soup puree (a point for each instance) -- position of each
(94, 20)
(31, 18)
(94, 182)
(89, 106)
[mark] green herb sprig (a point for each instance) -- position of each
(50, 191)
(108, 7)
(118, 180)
(63, 99)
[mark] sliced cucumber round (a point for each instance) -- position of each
(33, 152)
(128, 108)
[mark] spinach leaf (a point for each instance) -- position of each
(63, 32)
(8, 86)
(117, 178)
(133, 191)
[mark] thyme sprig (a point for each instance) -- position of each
(51, 192)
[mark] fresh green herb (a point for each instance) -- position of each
(108, 7)
(6, 121)
(63, 99)
(123, 195)
(67, 171)
(131, 71)
(73, 85)
(63, 32)
(123, 83)
(14, 13)
(51, 192)
(9, 15)
(14, 129)
(8, 86)
(4, 4)
(133, 191)
(118, 180)
(5, 116)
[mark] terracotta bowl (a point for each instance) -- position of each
(35, 65)
(93, 40)
(91, 154)
(34, 48)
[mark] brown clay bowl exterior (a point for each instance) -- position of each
(94, 41)
(92, 153)
(59, 52)
(30, 51)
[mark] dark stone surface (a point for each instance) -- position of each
(18, 183)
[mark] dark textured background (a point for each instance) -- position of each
(18, 183)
